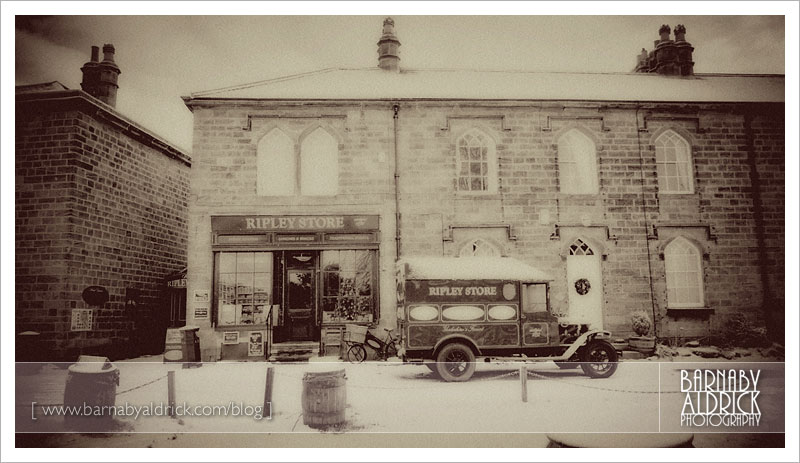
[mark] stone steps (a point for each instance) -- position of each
(293, 351)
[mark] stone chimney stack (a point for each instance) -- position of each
(672, 58)
(388, 48)
(100, 77)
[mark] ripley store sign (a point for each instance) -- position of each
(265, 223)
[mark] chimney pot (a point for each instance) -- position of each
(108, 52)
(100, 78)
(388, 48)
(664, 32)
(680, 33)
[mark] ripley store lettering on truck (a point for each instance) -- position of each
(466, 291)
(461, 291)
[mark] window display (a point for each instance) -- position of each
(245, 287)
(348, 281)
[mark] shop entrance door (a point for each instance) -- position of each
(301, 298)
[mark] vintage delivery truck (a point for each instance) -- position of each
(452, 311)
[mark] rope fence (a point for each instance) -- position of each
(438, 385)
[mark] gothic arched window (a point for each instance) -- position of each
(479, 248)
(319, 164)
(684, 268)
(674, 164)
(275, 165)
(476, 162)
(577, 163)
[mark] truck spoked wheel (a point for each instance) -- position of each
(599, 359)
(455, 362)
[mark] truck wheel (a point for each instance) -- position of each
(567, 365)
(599, 359)
(455, 362)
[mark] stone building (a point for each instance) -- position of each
(662, 188)
(101, 206)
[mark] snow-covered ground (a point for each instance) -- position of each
(382, 397)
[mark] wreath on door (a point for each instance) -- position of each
(582, 286)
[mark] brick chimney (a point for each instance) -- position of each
(668, 57)
(100, 77)
(388, 48)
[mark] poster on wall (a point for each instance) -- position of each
(230, 337)
(255, 347)
(201, 296)
(201, 313)
(81, 320)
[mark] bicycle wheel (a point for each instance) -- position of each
(356, 353)
(391, 350)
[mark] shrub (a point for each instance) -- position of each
(640, 322)
(741, 331)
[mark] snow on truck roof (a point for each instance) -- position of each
(377, 84)
(472, 268)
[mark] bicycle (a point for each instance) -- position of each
(384, 349)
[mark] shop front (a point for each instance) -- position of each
(291, 278)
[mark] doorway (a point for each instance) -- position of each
(300, 316)
(585, 285)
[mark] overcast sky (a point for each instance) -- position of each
(165, 57)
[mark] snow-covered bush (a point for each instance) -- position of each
(640, 322)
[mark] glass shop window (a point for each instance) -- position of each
(244, 288)
(348, 286)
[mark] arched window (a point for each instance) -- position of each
(476, 163)
(577, 163)
(684, 268)
(479, 248)
(276, 169)
(319, 164)
(580, 248)
(674, 164)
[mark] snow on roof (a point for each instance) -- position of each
(41, 87)
(472, 268)
(375, 83)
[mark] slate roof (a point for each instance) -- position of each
(378, 84)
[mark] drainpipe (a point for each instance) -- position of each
(396, 110)
(758, 218)
(646, 227)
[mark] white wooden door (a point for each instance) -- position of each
(585, 285)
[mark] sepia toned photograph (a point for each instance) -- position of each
(406, 230)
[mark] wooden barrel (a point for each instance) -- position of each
(324, 398)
